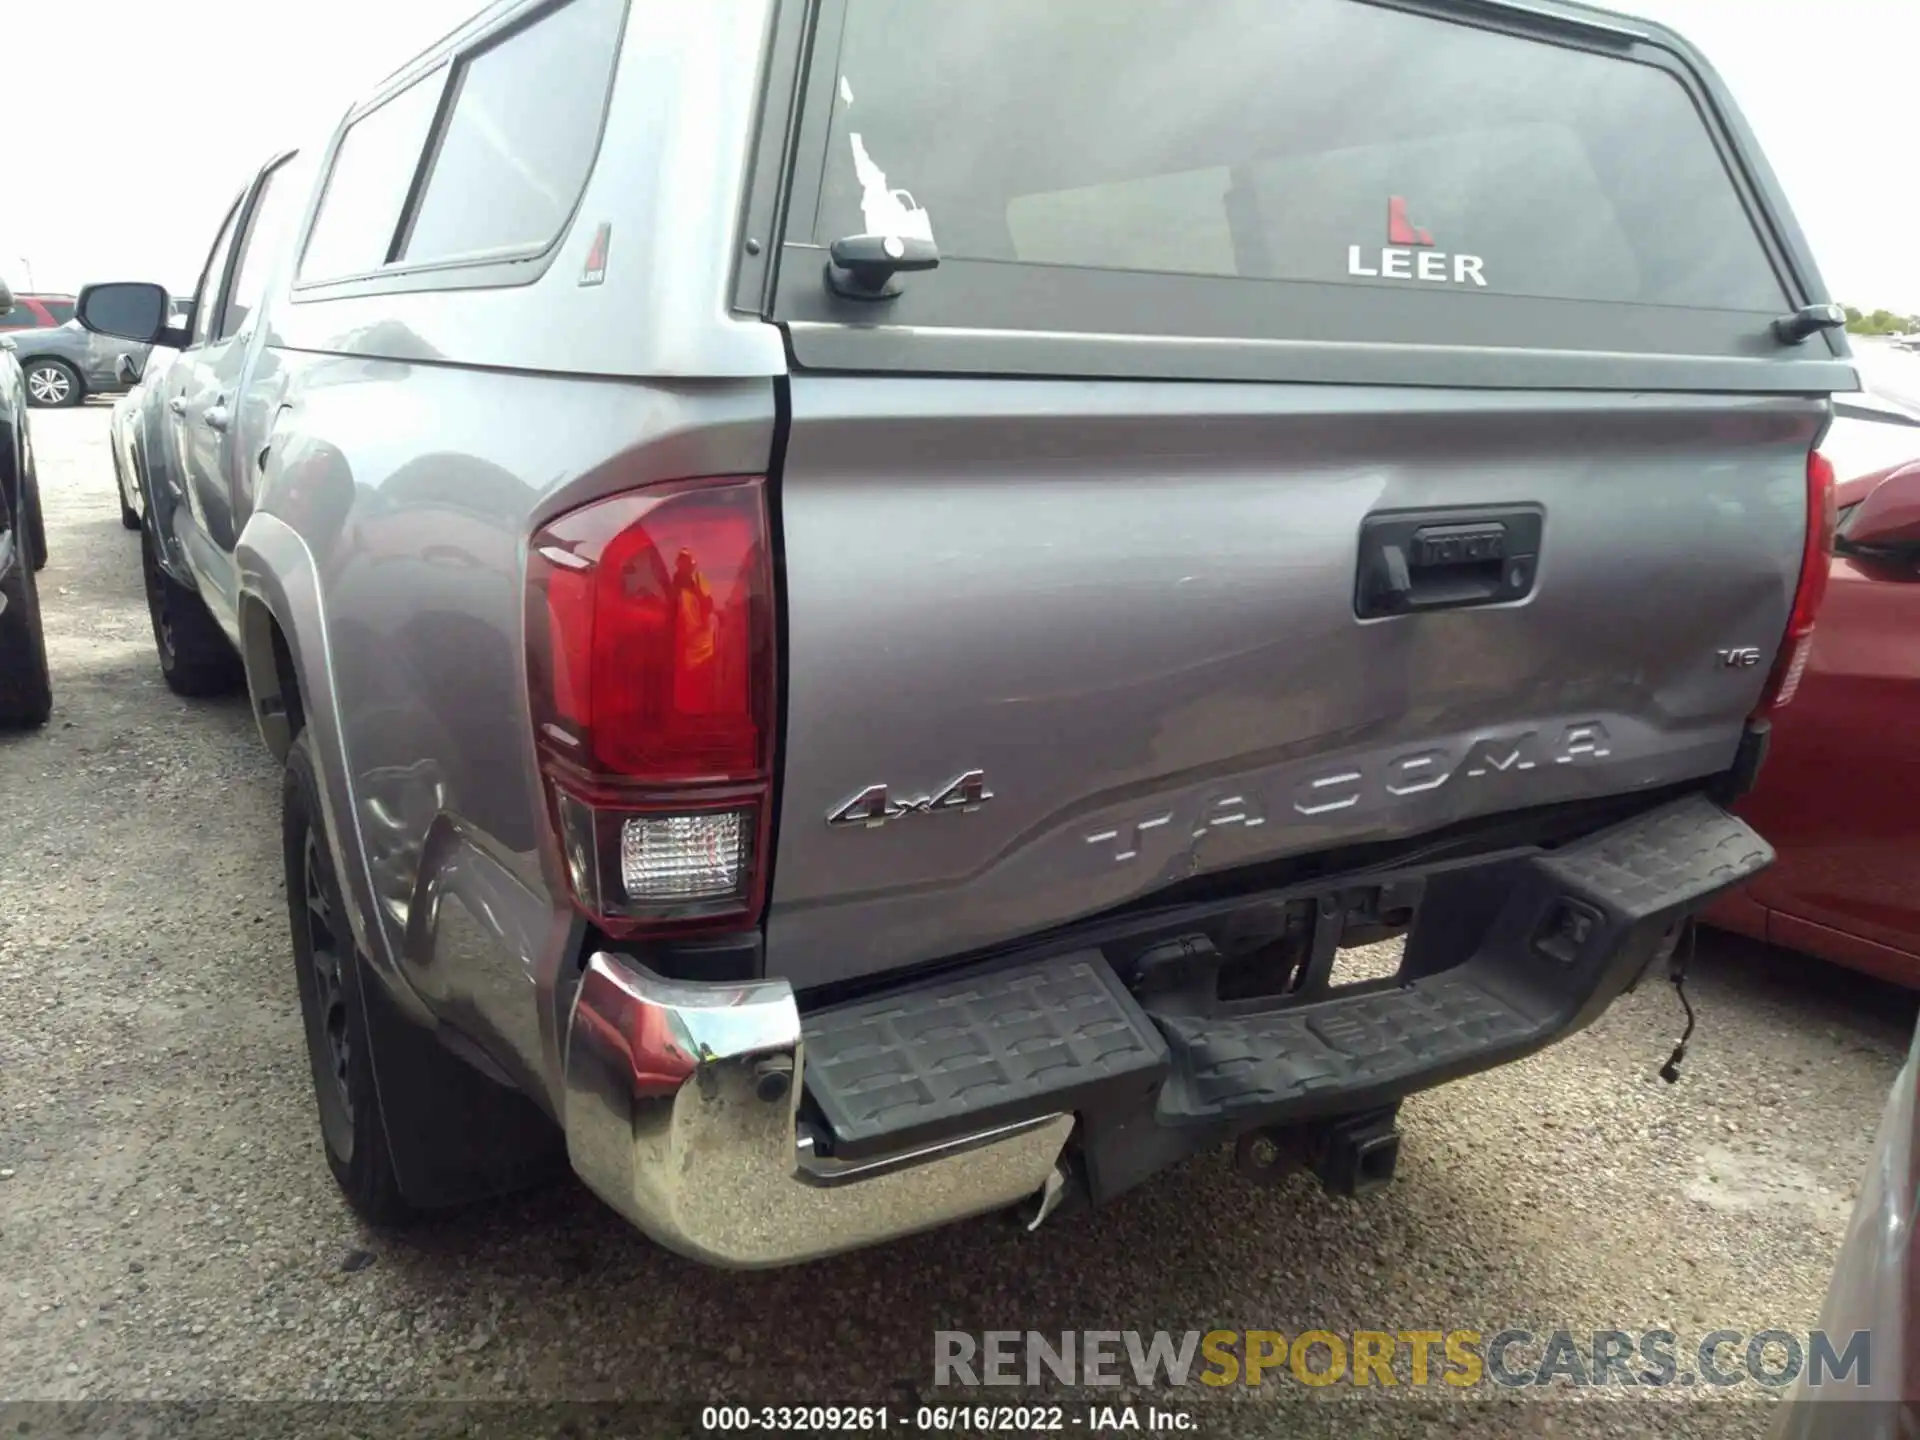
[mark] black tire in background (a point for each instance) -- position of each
(353, 1130)
(195, 658)
(26, 689)
(53, 384)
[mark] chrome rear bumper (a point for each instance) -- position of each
(682, 1114)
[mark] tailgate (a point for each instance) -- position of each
(1243, 316)
(1131, 611)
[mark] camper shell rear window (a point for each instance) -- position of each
(1323, 171)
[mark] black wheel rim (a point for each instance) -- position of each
(332, 1045)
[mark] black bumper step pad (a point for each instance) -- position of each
(1578, 928)
(1678, 855)
(1230, 1067)
(965, 1054)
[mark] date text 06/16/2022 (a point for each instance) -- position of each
(938, 1419)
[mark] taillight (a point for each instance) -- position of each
(650, 658)
(1816, 561)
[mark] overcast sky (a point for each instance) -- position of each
(108, 178)
(149, 115)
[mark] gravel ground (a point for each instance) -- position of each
(168, 1229)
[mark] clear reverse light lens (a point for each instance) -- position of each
(684, 857)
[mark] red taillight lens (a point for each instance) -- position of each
(651, 664)
(1816, 562)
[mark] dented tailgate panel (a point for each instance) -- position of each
(1123, 617)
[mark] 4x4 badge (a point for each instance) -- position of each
(874, 806)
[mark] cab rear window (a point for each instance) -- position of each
(1324, 141)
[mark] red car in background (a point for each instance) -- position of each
(37, 312)
(1839, 794)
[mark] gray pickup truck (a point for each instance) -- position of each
(860, 600)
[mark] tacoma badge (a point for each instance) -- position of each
(873, 806)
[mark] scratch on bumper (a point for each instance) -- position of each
(666, 1122)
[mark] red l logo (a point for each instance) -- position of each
(595, 270)
(1400, 230)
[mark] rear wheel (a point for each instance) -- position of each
(36, 519)
(195, 657)
(353, 1129)
(26, 689)
(129, 517)
(53, 383)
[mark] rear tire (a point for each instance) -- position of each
(26, 688)
(195, 658)
(129, 517)
(53, 384)
(327, 967)
(36, 519)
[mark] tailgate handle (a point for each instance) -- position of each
(1437, 545)
(1446, 559)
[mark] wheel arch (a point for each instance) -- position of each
(284, 651)
(462, 1126)
(273, 682)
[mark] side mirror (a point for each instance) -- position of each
(6, 298)
(6, 343)
(126, 369)
(1889, 518)
(127, 310)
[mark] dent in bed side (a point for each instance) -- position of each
(473, 907)
(392, 518)
(285, 639)
(278, 590)
(383, 500)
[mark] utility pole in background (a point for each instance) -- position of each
(27, 265)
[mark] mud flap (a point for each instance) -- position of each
(455, 1135)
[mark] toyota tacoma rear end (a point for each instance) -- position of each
(873, 679)
(1258, 480)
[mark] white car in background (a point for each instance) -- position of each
(1875, 1290)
